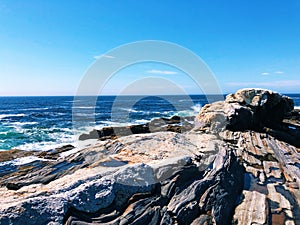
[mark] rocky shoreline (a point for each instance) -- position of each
(238, 163)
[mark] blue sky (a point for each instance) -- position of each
(47, 46)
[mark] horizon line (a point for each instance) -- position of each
(3, 96)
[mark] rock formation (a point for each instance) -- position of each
(238, 165)
(175, 124)
(247, 109)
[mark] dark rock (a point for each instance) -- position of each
(252, 109)
(55, 153)
(174, 124)
(14, 154)
(13, 186)
(247, 109)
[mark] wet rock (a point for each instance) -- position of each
(175, 124)
(14, 154)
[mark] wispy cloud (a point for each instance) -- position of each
(279, 72)
(276, 72)
(164, 72)
(104, 56)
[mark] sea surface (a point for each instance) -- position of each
(43, 123)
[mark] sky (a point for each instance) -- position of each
(46, 47)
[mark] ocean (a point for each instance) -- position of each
(44, 123)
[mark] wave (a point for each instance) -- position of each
(44, 139)
(132, 110)
(77, 100)
(185, 100)
(84, 107)
(23, 123)
(44, 145)
(18, 126)
(297, 107)
(116, 124)
(2, 116)
(35, 109)
(141, 111)
(142, 121)
(22, 161)
(184, 113)
(76, 114)
(196, 107)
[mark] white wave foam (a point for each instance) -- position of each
(142, 121)
(297, 107)
(2, 116)
(22, 161)
(116, 124)
(59, 139)
(62, 138)
(65, 129)
(196, 107)
(184, 113)
(83, 107)
(151, 112)
(18, 126)
(132, 110)
(35, 109)
(42, 146)
(23, 123)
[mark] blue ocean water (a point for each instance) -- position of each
(43, 123)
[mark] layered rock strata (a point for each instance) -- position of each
(236, 166)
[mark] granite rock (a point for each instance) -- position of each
(247, 109)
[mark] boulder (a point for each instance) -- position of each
(247, 109)
(256, 108)
(211, 118)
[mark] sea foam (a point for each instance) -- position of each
(2, 116)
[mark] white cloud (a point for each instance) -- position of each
(279, 72)
(276, 72)
(104, 56)
(265, 73)
(164, 72)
